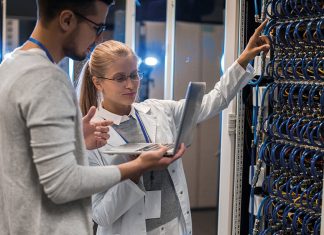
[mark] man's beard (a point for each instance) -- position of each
(71, 53)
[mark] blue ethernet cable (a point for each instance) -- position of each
(256, 8)
(266, 207)
(322, 101)
(311, 136)
(309, 127)
(274, 7)
(274, 87)
(260, 209)
(319, 65)
(290, 125)
(320, 134)
(267, 8)
(298, 129)
(267, 231)
(306, 67)
(301, 132)
(298, 213)
(291, 95)
(313, 188)
(317, 226)
(297, 36)
(292, 159)
(276, 211)
(292, 132)
(300, 96)
(288, 186)
(306, 154)
(315, 205)
(312, 93)
(285, 8)
(287, 73)
(319, 31)
(319, 156)
(297, 65)
(262, 152)
(273, 155)
(306, 219)
(283, 154)
(319, 198)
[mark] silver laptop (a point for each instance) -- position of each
(194, 96)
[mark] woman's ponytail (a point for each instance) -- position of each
(88, 95)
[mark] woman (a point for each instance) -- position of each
(157, 202)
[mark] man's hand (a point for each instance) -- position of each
(156, 160)
(95, 133)
(256, 44)
(151, 160)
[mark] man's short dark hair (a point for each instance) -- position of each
(48, 9)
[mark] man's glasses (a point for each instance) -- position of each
(98, 27)
(111, 2)
(120, 77)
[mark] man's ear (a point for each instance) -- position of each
(67, 20)
(97, 83)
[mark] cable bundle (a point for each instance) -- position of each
(289, 141)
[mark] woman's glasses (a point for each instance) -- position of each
(120, 77)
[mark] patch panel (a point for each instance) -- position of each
(289, 135)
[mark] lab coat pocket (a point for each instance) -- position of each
(153, 204)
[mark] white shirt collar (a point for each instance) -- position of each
(117, 119)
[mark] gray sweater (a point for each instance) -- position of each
(45, 183)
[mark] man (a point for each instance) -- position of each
(45, 183)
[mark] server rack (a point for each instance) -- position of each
(281, 170)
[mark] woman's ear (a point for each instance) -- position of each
(97, 83)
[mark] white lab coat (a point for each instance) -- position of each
(121, 209)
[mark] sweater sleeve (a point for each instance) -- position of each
(108, 207)
(50, 114)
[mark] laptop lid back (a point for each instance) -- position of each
(194, 97)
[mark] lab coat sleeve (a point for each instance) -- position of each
(234, 79)
(111, 205)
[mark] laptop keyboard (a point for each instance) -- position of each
(156, 146)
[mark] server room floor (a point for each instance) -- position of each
(204, 222)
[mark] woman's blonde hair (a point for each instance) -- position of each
(103, 56)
